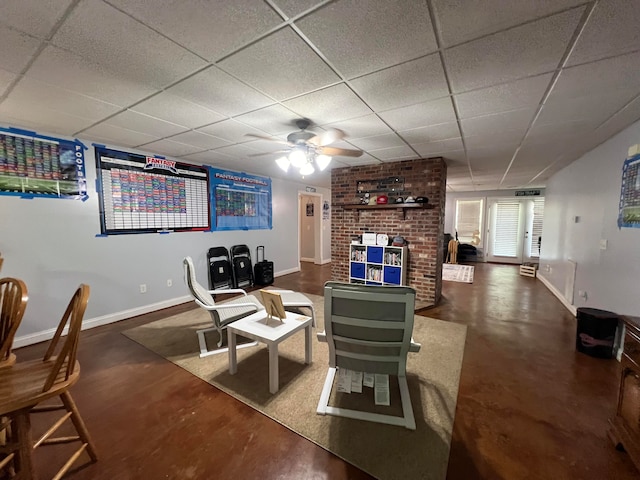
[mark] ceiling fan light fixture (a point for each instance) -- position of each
(298, 158)
(307, 169)
(283, 163)
(323, 161)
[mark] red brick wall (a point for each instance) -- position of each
(422, 228)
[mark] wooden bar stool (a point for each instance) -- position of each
(27, 384)
(13, 302)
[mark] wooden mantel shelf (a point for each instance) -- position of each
(397, 206)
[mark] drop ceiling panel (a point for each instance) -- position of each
(32, 95)
(200, 140)
(365, 159)
(594, 108)
(42, 120)
(281, 65)
(514, 121)
(110, 134)
(17, 49)
(177, 110)
(274, 120)
(330, 105)
(360, 127)
(438, 147)
(431, 133)
(292, 8)
(99, 32)
(420, 115)
(611, 30)
(241, 152)
(169, 147)
(523, 51)
(35, 17)
(6, 78)
(386, 140)
(145, 124)
(202, 27)
(231, 131)
(393, 153)
(510, 138)
(54, 64)
(621, 120)
(209, 157)
(504, 97)
(220, 92)
(343, 32)
(463, 21)
(413, 82)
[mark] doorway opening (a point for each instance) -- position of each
(310, 227)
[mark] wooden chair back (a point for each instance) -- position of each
(64, 354)
(13, 302)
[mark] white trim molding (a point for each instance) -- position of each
(558, 294)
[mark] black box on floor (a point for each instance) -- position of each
(596, 332)
(263, 269)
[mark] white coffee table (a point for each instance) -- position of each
(256, 327)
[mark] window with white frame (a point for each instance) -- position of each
(468, 222)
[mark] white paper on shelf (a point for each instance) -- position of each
(344, 380)
(381, 390)
(368, 380)
(356, 382)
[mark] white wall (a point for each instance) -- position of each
(589, 188)
(52, 245)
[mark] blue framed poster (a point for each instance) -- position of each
(629, 209)
(34, 165)
(239, 201)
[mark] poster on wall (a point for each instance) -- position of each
(143, 194)
(34, 165)
(239, 201)
(629, 210)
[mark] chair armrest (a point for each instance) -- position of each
(414, 347)
(223, 306)
(227, 290)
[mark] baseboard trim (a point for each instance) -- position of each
(325, 261)
(45, 335)
(557, 293)
(307, 259)
(287, 272)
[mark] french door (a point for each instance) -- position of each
(515, 227)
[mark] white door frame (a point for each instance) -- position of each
(317, 224)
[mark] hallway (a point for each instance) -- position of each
(529, 406)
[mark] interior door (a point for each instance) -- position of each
(506, 231)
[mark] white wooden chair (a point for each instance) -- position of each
(222, 314)
(368, 329)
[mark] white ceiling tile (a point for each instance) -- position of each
(200, 140)
(343, 32)
(35, 17)
(54, 64)
(438, 147)
(145, 124)
(291, 8)
(17, 49)
(493, 155)
(177, 110)
(507, 137)
(31, 94)
(593, 108)
(515, 120)
(365, 159)
(455, 158)
(359, 127)
(6, 78)
(558, 133)
(330, 105)
(520, 52)
(461, 21)
(393, 153)
(237, 151)
(610, 75)
(110, 134)
(231, 131)
(432, 133)
(212, 89)
(169, 148)
(420, 115)
(274, 120)
(281, 65)
(612, 29)
(621, 120)
(504, 97)
(110, 38)
(202, 27)
(413, 82)
(42, 120)
(386, 140)
(208, 157)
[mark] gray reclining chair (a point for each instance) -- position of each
(368, 329)
(222, 314)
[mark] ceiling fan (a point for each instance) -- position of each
(306, 148)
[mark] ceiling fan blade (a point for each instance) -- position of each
(268, 153)
(340, 152)
(330, 136)
(270, 139)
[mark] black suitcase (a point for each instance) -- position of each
(263, 269)
(242, 267)
(220, 275)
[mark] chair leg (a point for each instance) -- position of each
(81, 428)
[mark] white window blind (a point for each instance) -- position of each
(505, 242)
(469, 220)
(536, 231)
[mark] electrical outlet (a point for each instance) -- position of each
(143, 288)
(169, 282)
(582, 294)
